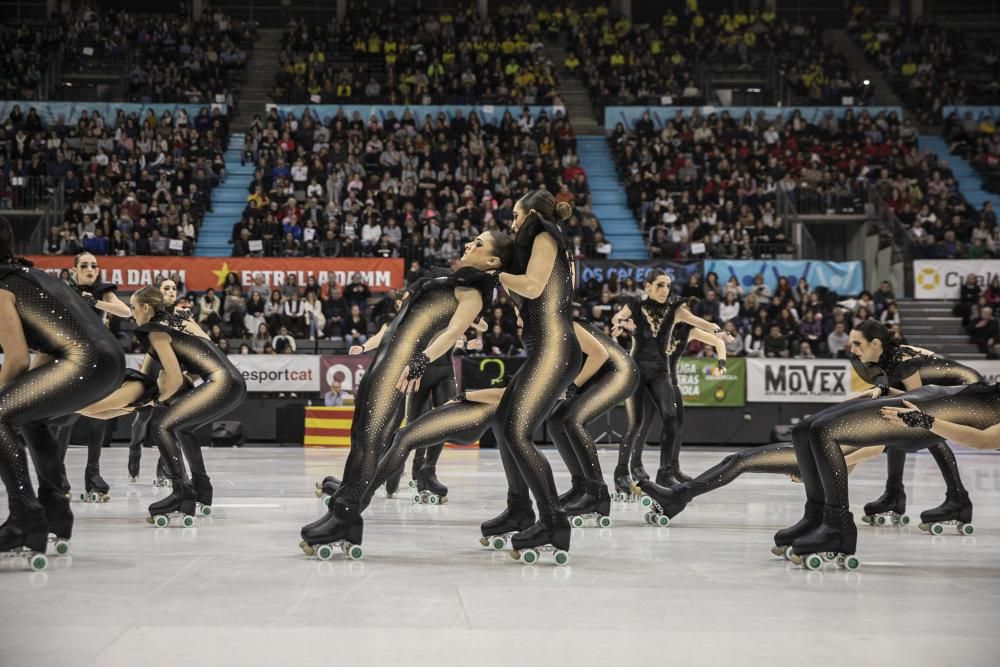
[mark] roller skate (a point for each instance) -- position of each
(134, 457)
(551, 534)
(328, 487)
(59, 516)
(783, 539)
(639, 473)
(576, 490)
(392, 484)
(836, 539)
(96, 488)
(889, 508)
(341, 529)
(23, 540)
(625, 490)
(593, 506)
(203, 495)
(176, 509)
(162, 480)
(418, 463)
(956, 510)
(517, 516)
(663, 503)
(430, 490)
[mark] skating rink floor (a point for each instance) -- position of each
(236, 589)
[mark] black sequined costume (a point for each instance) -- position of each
(378, 404)
(87, 364)
(651, 340)
(172, 426)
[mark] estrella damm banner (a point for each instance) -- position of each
(700, 388)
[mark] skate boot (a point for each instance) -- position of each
(956, 510)
(811, 519)
(203, 495)
(671, 476)
(418, 463)
(59, 516)
(176, 509)
(663, 503)
(342, 529)
(576, 489)
(23, 539)
(96, 488)
(624, 489)
(134, 457)
(517, 516)
(890, 507)
(593, 506)
(835, 539)
(392, 484)
(328, 487)
(430, 490)
(639, 473)
(550, 534)
(162, 480)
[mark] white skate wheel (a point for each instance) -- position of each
(936, 529)
(206, 510)
(433, 500)
(355, 552)
(38, 562)
(604, 522)
(577, 522)
(646, 501)
(904, 520)
(324, 552)
(561, 557)
(187, 521)
(879, 520)
(813, 562)
(788, 553)
(161, 521)
(498, 543)
(662, 521)
(966, 529)
(62, 547)
(528, 556)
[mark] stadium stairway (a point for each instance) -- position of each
(608, 200)
(229, 199)
(968, 180)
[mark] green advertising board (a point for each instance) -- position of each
(700, 388)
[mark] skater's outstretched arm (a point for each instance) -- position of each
(685, 315)
(110, 303)
(715, 342)
(369, 344)
(967, 436)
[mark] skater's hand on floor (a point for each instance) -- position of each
(355, 350)
(405, 384)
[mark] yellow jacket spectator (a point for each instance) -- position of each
(749, 38)
(909, 69)
(698, 22)
(656, 47)
(317, 56)
(390, 46)
(617, 59)
(435, 69)
(511, 68)
(622, 26)
(692, 6)
(986, 126)
(343, 90)
(299, 67)
(446, 18)
(374, 44)
(571, 63)
(669, 19)
(360, 45)
(507, 47)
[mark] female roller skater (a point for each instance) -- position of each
(827, 525)
(140, 424)
(82, 360)
(541, 284)
(469, 415)
(180, 346)
(101, 297)
(425, 328)
(655, 319)
(780, 458)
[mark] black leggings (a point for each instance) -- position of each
(655, 393)
(568, 422)
(437, 387)
(859, 424)
(528, 400)
(463, 423)
(66, 384)
(172, 428)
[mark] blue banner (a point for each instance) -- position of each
(977, 111)
(487, 113)
(844, 278)
(69, 112)
(601, 270)
(660, 115)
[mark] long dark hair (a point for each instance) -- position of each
(546, 205)
(874, 330)
(503, 247)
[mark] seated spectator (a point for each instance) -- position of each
(354, 328)
(283, 343)
(838, 343)
(753, 342)
(984, 331)
(776, 343)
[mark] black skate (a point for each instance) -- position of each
(956, 510)
(59, 516)
(783, 539)
(550, 534)
(134, 457)
(430, 490)
(663, 503)
(576, 489)
(639, 473)
(625, 490)
(96, 488)
(203, 493)
(593, 505)
(176, 509)
(835, 539)
(418, 462)
(163, 480)
(341, 529)
(327, 488)
(517, 516)
(889, 508)
(23, 539)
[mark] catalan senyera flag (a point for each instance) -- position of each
(328, 427)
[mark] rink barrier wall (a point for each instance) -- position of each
(629, 116)
(70, 112)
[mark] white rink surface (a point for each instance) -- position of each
(236, 590)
